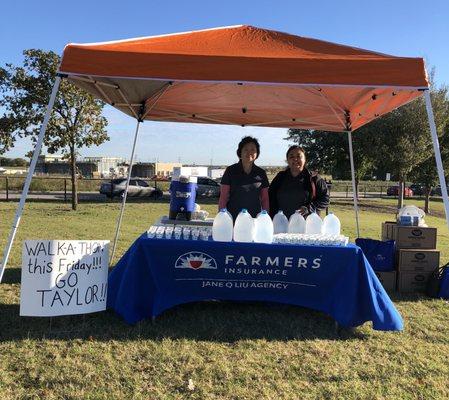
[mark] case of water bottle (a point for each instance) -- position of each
(179, 232)
(307, 239)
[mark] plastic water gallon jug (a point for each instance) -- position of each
(297, 223)
(264, 228)
(280, 223)
(313, 224)
(182, 199)
(331, 224)
(410, 215)
(244, 227)
(222, 228)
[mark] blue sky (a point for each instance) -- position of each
(401, 27)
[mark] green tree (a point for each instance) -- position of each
(13, 162)
(398, 142)
(405, 135)
(328, 152)
(426, 173)
(76, 119)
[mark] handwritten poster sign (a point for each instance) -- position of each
(63, 277)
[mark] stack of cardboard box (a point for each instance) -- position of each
(416, 257)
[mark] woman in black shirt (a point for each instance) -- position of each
(297, 188)
(244, 184)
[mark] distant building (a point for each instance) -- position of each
(103, 167)
(148, 170)
(86, 169)
(108, 166)
(89, 167)
(45, 158)
(143, 170)
(216, 173)
(166, 169)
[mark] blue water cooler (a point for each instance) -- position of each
(182, 199)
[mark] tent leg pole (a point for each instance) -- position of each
(354, 193)
(37, 150)
(125, 195)
(436, 149)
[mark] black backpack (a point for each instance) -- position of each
(434, 282)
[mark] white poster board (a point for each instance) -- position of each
(63, 277)
(387, 176)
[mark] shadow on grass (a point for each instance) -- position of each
(11, 276)
(213, 321)
(223, 322)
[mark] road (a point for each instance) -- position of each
(97, 197)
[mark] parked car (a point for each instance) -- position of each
(207, 187)
(137, 188)
(161, 178)
(418, 189)
(394, 191)
(436, 191)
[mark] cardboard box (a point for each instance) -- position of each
(413, 281)
(422, 260)
(387, 230)
(414, 237)
(387, 279)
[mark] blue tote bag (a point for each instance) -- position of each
(444, 284)
(379, 254)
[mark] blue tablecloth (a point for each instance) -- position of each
(157, 274)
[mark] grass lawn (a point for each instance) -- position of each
(228, 351)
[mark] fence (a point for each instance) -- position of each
(59, 188)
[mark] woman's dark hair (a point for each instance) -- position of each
(294, 147)
(246, 140)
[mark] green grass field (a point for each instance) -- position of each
(228, 351)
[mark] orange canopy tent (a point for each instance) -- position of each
(246, 76)
(242, 75)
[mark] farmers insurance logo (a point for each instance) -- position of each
(196, 260)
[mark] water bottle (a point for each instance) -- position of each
(331, 224)
(264, 228)
(244, 227)
(297, 223)
(222, 227)
(313, 224)
(280, 222)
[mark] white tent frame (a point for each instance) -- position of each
(140, 119)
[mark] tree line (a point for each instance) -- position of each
(13, 162)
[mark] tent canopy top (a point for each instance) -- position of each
(245, 75)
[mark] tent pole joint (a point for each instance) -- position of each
(141, 112)
(348, 127)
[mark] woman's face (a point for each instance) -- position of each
(296, 159)
(249, 152)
